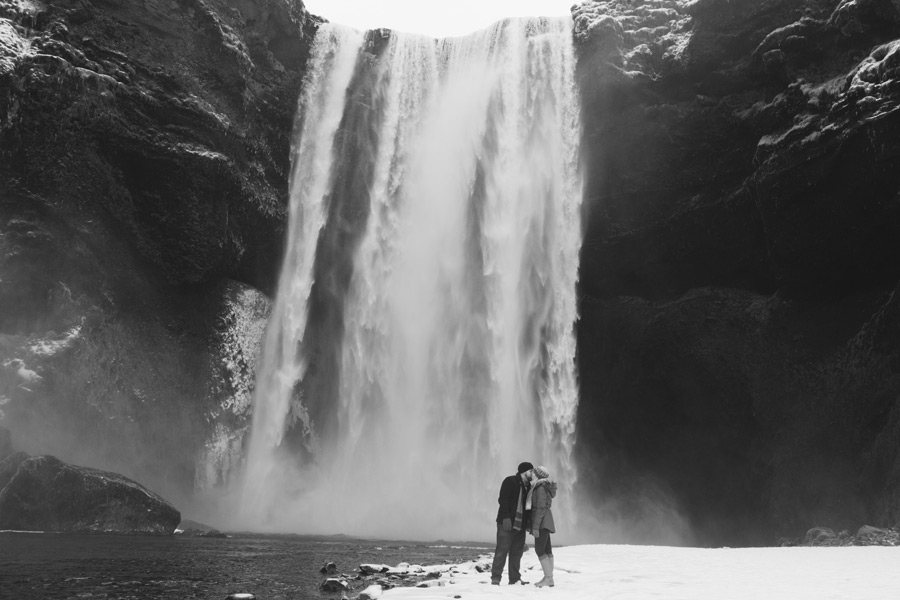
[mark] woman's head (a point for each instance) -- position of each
(541, 473)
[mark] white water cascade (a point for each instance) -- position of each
(456, 345)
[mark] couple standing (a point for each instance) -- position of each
(525, 500)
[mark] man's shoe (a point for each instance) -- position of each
(494, 582)
(518, 582)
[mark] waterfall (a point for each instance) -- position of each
(435, 222)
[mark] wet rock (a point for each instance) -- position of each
(46, 494)
(334, 585)
(430, 584)
(371, 569)
(869, 531)
(818, 536)
(329, 568)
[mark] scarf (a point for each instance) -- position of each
(517, 524)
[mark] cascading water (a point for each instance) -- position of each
(457, 351)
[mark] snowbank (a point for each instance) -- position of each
(641, 572)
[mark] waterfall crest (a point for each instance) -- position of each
(445, 173)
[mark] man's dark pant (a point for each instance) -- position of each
(512, 544)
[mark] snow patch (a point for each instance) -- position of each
(49, 347)
(638, 572)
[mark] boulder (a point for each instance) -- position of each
(868, 531)
(372, 569)
(329, 568)
(373, 592)
(332, 584)
(46, 494)
(819, 536)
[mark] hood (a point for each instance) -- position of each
(550, 485)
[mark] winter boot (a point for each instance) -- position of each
(547, 565)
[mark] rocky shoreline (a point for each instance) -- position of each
(864, 536)
(371, 580)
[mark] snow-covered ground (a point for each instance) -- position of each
(640, 572)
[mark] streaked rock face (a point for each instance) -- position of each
(737, 342)
(144, 151)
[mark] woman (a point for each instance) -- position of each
(541, 497)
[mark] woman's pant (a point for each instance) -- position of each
(542, 544)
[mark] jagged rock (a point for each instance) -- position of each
(819, 536)
(855, 17)
(329, 568)
(46, 494)
(370, 569)
(869, 531)
(334, 585)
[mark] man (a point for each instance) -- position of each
(512, 523)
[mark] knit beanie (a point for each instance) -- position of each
(542, 472)
(525, 466)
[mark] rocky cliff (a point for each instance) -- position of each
(144, 150)
(738, 342)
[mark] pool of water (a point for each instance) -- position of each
(273, 567)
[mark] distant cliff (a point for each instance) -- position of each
(739, 342)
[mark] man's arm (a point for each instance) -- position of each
(508, 494)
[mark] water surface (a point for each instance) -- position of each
(285, 567)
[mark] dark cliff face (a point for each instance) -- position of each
(144, 153)
(738, 341)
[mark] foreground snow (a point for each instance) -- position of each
(639, 572)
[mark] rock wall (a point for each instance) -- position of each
(738, 342)
(144, 152)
